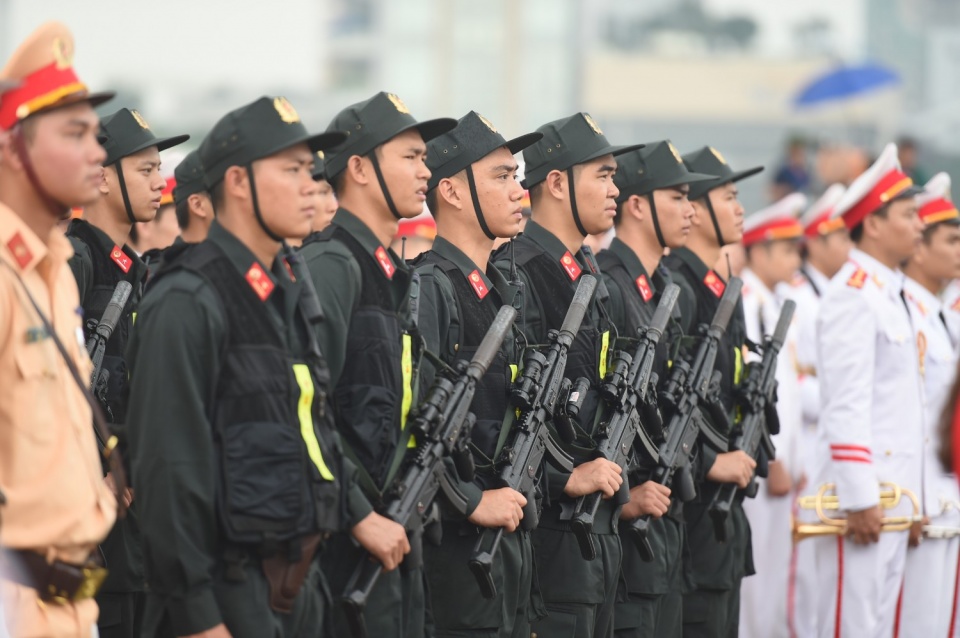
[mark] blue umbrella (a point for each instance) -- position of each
(845, 82)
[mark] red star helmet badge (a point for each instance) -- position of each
(714, 284)
(570, 265)
(121, 259)
(386, 264)
(478, 286)
(644, 287)
(18, 247)
(259, 281)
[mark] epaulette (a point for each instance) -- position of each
(858, 278)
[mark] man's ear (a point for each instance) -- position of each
(556, 184)
(236, 183)
(448, 190)
(358, 169)
(104, 185)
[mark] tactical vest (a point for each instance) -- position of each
(375, 390)
(491, 402)
(275, 446)
(730, 354)
(552, 290)
(106, 276)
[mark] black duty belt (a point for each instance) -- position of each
(56, 582)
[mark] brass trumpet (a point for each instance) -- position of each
(824, 501)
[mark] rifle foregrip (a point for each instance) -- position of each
(720, 511)
(111, 315)
(582, 524)
(578, 307)
(531, 517)
(640, 531)
(492, 341)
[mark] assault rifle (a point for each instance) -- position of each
(690, 391)
(441, 426)
(758, 405)
(625, 391)
(537, 393)
(97, 345)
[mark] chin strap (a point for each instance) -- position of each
(256, 207)
(383, 185)
(472, 183)
(573, 204)
(59, 209)
(656, 220)
(123, 191)
(713, 218)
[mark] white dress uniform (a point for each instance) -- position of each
(806, 290)
(870, 427)
(765, 598)
(929, 586)
(951, 307)
(929, 599)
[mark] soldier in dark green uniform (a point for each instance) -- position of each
(380, 176)
(570, 176)
(130, 192)
(236, 465)
(712, 608)
(653, 213)
(475, 198)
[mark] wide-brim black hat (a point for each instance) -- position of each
(656, 166)
(126, 133)
(708, 160)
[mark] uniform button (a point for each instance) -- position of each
(888, 453)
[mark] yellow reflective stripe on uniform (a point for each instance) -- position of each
(133, 318)
(513, 372)
(737, 366)
(406, 367)
(604, 348)
(305, 414)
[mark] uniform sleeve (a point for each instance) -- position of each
(847, 329)
(358, 505)
(435, 322)
(81, 265)
(337, 280)
(173, 357)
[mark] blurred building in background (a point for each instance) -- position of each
(718, 72)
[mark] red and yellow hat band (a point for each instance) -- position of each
(887, 189)
(823, 225)
(787, 228)
(39, 90)
(938, 210)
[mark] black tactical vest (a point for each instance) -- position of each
(106, 276)
(276, 450)
(491, 401)
(553, 291)
(369, 399)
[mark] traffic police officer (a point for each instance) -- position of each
(871, 399)
(240, 478)
(475, 198)
(653, 213)
(712, 608)
(570, 176)
(380, 176)
(58, 506)
(130, 191)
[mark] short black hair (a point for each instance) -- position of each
(183, 213)
(216, 196)
(856, 233)
(432, 202)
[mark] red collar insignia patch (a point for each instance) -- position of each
(121, 259)
(570, 266)
(259, 281)
(858, 278)
(478, 286)
(386, 264)
(714, 284)
(18, 247)
(956, 305)
(644, 287)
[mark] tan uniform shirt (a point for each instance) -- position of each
(57, 502)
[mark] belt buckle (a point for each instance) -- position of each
(93, 577)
